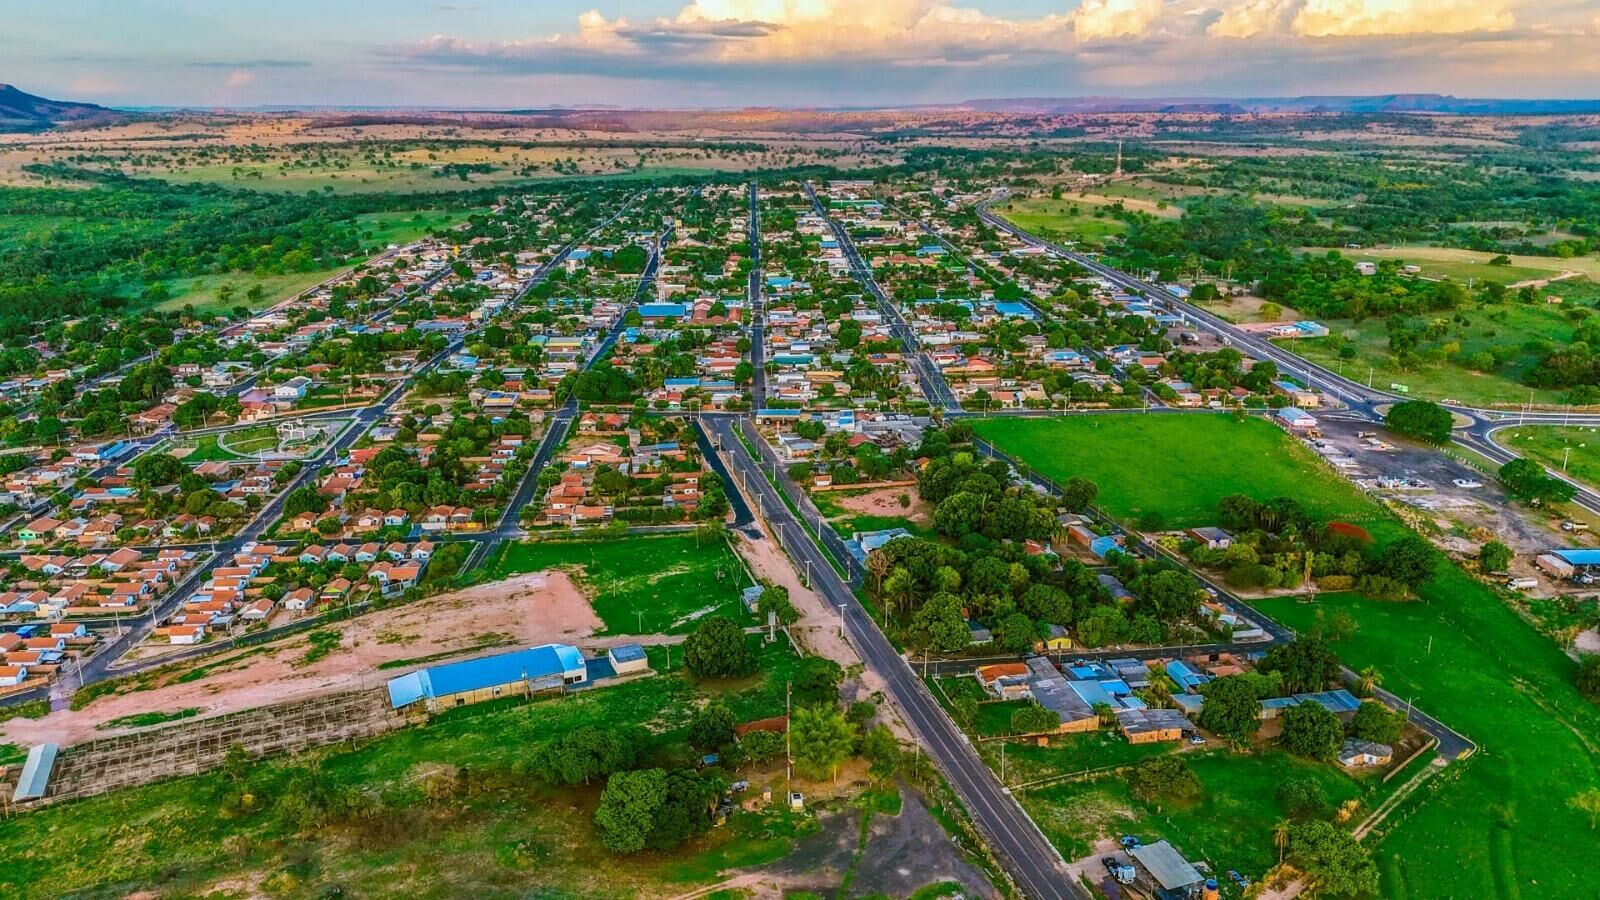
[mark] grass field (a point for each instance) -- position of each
(506, 836)
(1487, 328)
(1179, 466)
(206, 449)
(1500, 818)
(1576, 449)
(668, 583)
(1068, 219)
(1230, 826)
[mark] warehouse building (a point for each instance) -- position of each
(550, 667)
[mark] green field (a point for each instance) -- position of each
(668, 583)
(1487, 328)
(1067, 219)
(205, 449)
(1501, 817)
(1470, 265)
(504, 836)
(1577, 450)
(1230, 826)
(1178, 466)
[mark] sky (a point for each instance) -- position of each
(831, 53)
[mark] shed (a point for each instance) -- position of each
(35, 778)
(1167, 866)
(626, 659)
(1147, 726)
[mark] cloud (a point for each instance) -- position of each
(250, 64)
(1361, 18)
(1115, 18)
(239, 78)
(97, 85)
(1346, 18)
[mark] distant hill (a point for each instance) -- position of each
(1378, 103)
(21, 111)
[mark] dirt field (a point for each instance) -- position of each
(886, 502)
(531, 609)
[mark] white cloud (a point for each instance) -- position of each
(239, 78)
(1115, 18)
(1250, 18)
(1347, 18)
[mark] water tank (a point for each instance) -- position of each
(1210, 892)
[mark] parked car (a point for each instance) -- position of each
(1467, 483)
(1129, 842)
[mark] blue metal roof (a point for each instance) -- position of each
(485, 671)
(1091, 692)
(663, 310)
(35, 777)
(1580, 557)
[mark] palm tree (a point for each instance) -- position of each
(1280, 837)
(1369, 679)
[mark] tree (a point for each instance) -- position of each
(1310, 730)
(1420, 419)
(585, 753)
(817, 681)
(711, 727)
(157, 469)
(1494, 556)
(1587, 801)
(939, 625)
(1376, 722)
(775, 600)
(717, 649)
(1589, 676)
(881, 751)
(1332, 859)
(1527, 480)
(1033, 718)
(1016, 633)
(628, 806)
(685, 811)
(1368, 678)
(303, 500)
(1079, 493)
(1301, 797)
(1164, 779)
(1232, 708)
(1306, 665)
(878, 563)
(761, 746)
(819, 740)
(1411, 561)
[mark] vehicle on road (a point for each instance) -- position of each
(1467, 483)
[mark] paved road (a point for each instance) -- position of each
(758, 314)
(1029, 858)
(929, 378)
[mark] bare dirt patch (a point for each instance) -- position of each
(530, 609)
(886, 502)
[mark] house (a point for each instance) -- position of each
(39, 529)
(294, 389)
(979, 634)
(182, 634)
(1296, 421)
(1354, 753)
(1056, 638)
(11, 676)
(1008, 681)
(1212, 538)
(1148, 726)
(544, 668)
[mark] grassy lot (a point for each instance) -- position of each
(1518, 325)
(1230, 826)
(506, 836)
(1501, 817)
(671, 581)
(201, 292)
(206, 449)
(1578, 449)
(1178, 466)
(1067, 218)
(246, 441)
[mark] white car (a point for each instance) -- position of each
(1467, 483)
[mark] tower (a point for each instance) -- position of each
(1119, 158)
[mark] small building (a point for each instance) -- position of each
(1148, 726)
(1168, 867)
(1354, 753)
(35, 778)
(547, 667)
(1056, 638)
(1212, 538)
(628, 659)
(1296, 421)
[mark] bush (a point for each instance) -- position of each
(1589, 676)
(1420, 419)
(718, 649)
(1311, 731)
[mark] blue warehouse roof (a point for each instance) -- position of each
(483, 672)
(1580, 557)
